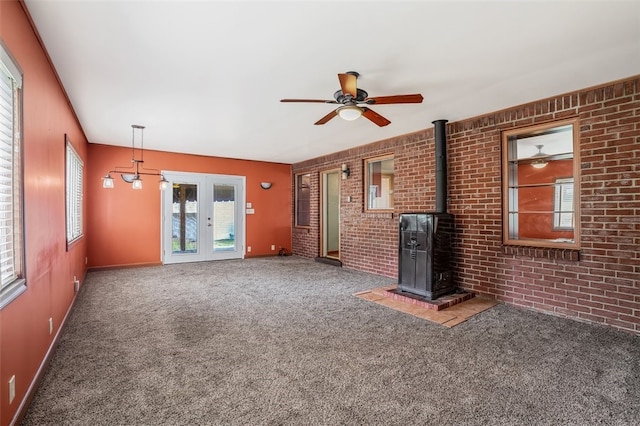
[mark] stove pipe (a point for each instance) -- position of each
(440, 134)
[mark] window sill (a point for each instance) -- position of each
(543, 252)
(380, 214)
(12, 292)
(73, 242)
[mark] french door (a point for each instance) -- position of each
(202, 217)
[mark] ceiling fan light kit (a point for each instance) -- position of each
(350, 97)
(349, 112)
(541, 162)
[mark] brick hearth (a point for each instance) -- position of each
(439, 304)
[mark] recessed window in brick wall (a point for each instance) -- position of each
(540, 186)
(303, 200)
(378, 183)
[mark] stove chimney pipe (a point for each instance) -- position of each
(440, 135)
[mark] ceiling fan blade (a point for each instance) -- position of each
(326, 117)
(397, 99)
(310, 100)
(349, 84)
(375, 117)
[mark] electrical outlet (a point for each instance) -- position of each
(86, 260)
(12, 388)
(273, 247)
(249, 249)
(50, 326)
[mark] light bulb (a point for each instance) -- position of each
(349, 112)
(137, 183)
(107, 181)
(164, 184)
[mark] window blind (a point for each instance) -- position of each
(563, 215)
(7, 249)
(75, 172)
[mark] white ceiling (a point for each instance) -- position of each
(206, 77)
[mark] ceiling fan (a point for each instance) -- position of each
(351, 98)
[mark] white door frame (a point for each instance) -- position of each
(204, 184)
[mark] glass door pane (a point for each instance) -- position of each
(224, 217)
(184, 238)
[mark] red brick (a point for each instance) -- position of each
(605, 277)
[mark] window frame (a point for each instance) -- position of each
(367, 178)
(74, 194)
(17, 284)
(298, 199)
(510, 185)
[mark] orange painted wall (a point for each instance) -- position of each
(124, 224)
(50, 268)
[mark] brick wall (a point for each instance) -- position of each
(599, 284)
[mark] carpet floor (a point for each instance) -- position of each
(284, 341)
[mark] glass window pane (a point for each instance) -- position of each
(379, 183)
(7, 199)
(303, 200)
(224, 224)
(185, 218)
(539, 226)
(74, 193)
(12, 282)
(539, 197)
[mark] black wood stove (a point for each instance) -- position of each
(425, 241)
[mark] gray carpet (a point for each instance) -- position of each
(283, 341)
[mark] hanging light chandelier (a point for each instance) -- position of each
(132, 173)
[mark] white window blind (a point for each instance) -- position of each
(75, 170)
(563, 208)
(10, 174)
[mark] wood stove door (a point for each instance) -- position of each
(407, 269)
(407, 253)
(414, 253)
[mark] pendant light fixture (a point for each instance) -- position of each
(132, 173)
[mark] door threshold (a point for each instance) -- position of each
(329, 261)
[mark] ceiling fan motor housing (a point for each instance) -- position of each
(345, 99)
